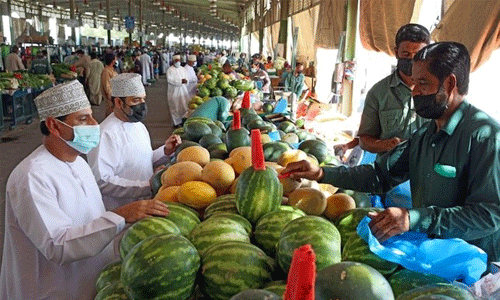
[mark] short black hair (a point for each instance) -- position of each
(109, 58)
(44, 52)
(413, 33)
(14, 49)
(45, 130)
(80, 51)
(93, 55)
(447, 58)
(269, 58)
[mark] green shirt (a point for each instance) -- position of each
(388, 110)
(454, 176)
(216, 108)
(294, 84)
(41, 66)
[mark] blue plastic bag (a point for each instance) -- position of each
(452, 259)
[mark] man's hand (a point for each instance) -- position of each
(340, 150)
(303, 169)
(392, 143)
(141, 209)
(390, 222)
(184, 81)
(171, 144)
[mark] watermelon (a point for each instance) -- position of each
(110, 274)
(216, 92)
(216, 231)
(444, 289)
(218, 154)
(237, 136)
(434, 297)
(196, 130)
(156, 181)
(287, 127)
(351, 281)
(256, 124)
(220, 125)
(230, 92)
(291, 138)
(267, 108)
(114, 291)
(258, 190)
(405, 280)
(277, 287)
(183, 216)
(178, 131)
(317, 148)
(203, 91)
(270, 226)
(161, 267)
(356, 249)
(211, 83)
(316, 231)
(143, 229)
(223, 83)
(226, 205)
(185, 144)
(232, 267)
(254, 294)
(216, 130)
(235, 217)
(348, 222)
(209, 139)
(219, 146)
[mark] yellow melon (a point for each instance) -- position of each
(196, 194)
(195, 154)
(291, 156)
(265, 138)
(181, 172)
(241, 159)
(232, 189)
(289, 185)
(310, 201)
(219, 174)
(338, 204)
(328, 189)
(274, 165)
(167, 194)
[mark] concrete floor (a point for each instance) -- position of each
(18, 143)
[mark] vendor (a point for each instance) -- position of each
(294, 81)
(259, 75)
(453, 161)
(123, 162)
(58, 235)
(217, 108)
(227, 69)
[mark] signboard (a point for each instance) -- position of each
(129, 22)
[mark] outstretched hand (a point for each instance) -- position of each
(389, 222)
(141, 209)
(303, 169)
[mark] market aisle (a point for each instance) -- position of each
(18, 143)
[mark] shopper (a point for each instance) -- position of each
(58, 235)
(146, 67)
(96, 67)
(106, 75)
(13, 62)
(123, 161)
(83, 64)
(41, 64)
(453, 161)
(177, 92)
(191, 76)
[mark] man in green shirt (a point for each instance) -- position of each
(453, 162)
(41, 65)
(294, 81)
(388, 118)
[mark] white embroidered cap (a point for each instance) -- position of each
(126, 85)
(192, 57)
(176, 57)
(62, 100)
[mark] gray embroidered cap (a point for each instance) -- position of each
(62, 100)
(127, 85)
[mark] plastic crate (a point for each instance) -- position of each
(17, 107)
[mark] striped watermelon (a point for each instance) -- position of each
(238, 218)
(348, 222)
(277, 287)
(183, 216)
(143, 229)
(232, 267)
(406, 280)
(114, 291)
(109, 275)
(356, 249)
(254, 294)
(258, 190)
(316, 231)
(226, 205)
(215, 231)
(161, 267)
(269, 228)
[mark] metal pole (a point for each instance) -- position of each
(130, 15)
(72, 17)
(108, 20)
(9, 12)
(140, 23)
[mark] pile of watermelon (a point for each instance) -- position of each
(213, 82)
(234, 225)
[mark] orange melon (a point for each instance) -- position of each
(310, 201)
(291, 156)
(167, 194)
(241, 159)
(338, 204)
(219, 174)
(195, 154)
(328, 189)
(181, 172)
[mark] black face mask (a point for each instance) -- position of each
(404, 65)
(138, 112)
(428, 107)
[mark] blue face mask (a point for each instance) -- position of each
(177, 64)
(86, 137)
